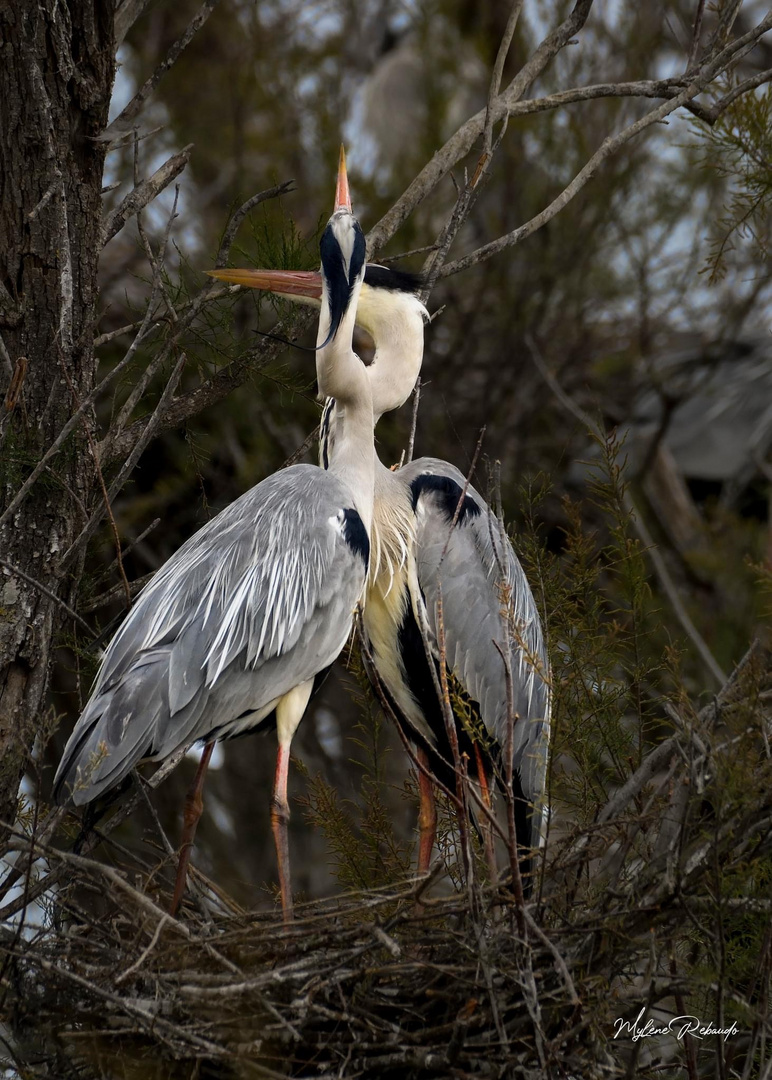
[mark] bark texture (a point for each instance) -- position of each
(57, 66)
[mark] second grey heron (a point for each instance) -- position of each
(442, 566)
(237, 626)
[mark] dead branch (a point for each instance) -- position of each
(461, 142)
(125, 119)
(127, 14)
(14, 570)
(124, 472)
(117, 591)
(144, 193)
(731, 54)
(660, 568)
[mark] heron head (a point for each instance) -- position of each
(387, 304)
(342, 250)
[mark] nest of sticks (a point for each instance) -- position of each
(417, 980)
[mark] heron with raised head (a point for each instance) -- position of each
(440, 556)
(236, 628)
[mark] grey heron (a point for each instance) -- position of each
(437, 544)
(237, 626)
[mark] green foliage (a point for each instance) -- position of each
(738, 149)
(364, 846)
(607, 647)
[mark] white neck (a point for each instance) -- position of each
(395, 322)
(342, 375)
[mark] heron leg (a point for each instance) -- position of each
(427, 813)
(194, 806)
(289, 713)
(486, 827)
(280, 814)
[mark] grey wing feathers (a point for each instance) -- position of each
(257, 602)
(483, 586)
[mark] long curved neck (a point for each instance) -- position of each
(342, 375)
(396, 325)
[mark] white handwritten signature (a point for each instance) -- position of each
(679, 1026)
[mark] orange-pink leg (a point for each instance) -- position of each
(486, 826)
(280, 814)
(194, 806)
(427, 813)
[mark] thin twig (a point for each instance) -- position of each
(149, 430)
(696, 30)
(100, 477)
(498, 71)
(661, 570)
(47, 592)
(303, 449)
(509, 752)
(85, 404)
(144, 193)
(127, 116)
(127, 550)
(112, 594)
(414, 420)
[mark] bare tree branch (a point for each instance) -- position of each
(146, 435)
(459, 144)
(14, 570)
(608, 147)
(127, 14)
(125, 119)
(498, 71)
(144, 193)
(696, 30)
(661, 570)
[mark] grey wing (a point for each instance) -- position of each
(257, 602)
(486, 599)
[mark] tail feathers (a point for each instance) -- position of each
(117, 729)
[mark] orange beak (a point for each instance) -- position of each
(342, 193)
(305, 283)
(287, 282)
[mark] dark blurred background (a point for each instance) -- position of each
(648, 297)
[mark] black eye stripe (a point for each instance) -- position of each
(340, 284)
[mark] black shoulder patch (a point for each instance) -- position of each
(355, 535)
(383, 277)
(449, 495)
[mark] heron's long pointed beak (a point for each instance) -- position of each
(342, 193)
(306, 283)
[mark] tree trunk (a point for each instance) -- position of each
(57, 66)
